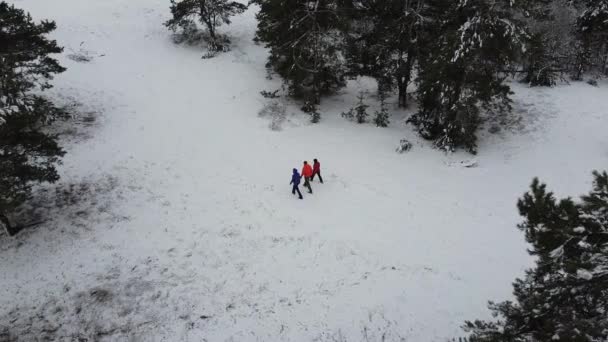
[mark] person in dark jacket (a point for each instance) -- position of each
(316, 171)
(307, 173)
(295, 180)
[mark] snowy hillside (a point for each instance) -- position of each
(174, 221)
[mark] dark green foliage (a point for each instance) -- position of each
(462, 52)
(27, 154)
(565, 297)
(361, 111)
(315, 116)
(381, 117)
(311, 108)
(24, 54)
(350, 115)
(551, 45)
(305, 43)
(467, 44)
(383, 42)
(358, 112)
(568, 37)
(270, 94)
(540, 68)
(210, 13)
(592, 32)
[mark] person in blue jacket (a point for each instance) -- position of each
(295, 180)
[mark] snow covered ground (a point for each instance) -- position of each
(174, 220)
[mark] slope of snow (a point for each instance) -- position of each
(184, 227)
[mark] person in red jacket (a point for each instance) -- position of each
(307, 173)
(316, 171)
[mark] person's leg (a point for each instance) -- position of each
(313, 176)
(299, 193)
(294, 188)
(320, 178)
(307, 184)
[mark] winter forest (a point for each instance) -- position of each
(447, 163)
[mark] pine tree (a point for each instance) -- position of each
(540, 64)
(592, 32)
(210, 13)
(550, 45)
(305, 43)
(27, 154)
(358, 112)
(381, 117)
(467, 46)
(383, 42)
(565, 297)
(361, 111)
(311, 108)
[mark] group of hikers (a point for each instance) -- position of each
(309, 173)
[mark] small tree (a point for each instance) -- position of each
(565, 297)
(311, 108)
(361, 110)
(27, 154)
(211, 13)
(381, 117)
(315, 116)
(358, 112)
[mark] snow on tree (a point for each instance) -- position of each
(381, 117)
(305, 43)
(211, 13)
(312, 109)
(467, 46)
(382, 42)
(358, 112)
(27, 154)
(592, 31)
(567, 37)
(550, 50)
(565, 297)
(540, 67)
(461, 52)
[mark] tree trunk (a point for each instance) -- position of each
(211, 29)
(605, 62)
(402, 92)
(207, 18)
(404, 75)
(7, 225)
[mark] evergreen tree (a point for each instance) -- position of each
(358, 112)
(311, 108)
(467, 47)
(381, 117)
(361, 111)
(540, 69)
(27, 154)
(305, 43)
(383, 42)
(551, 43)
(210, 13)
(565, 297)
(592, 31)
(315, 116)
